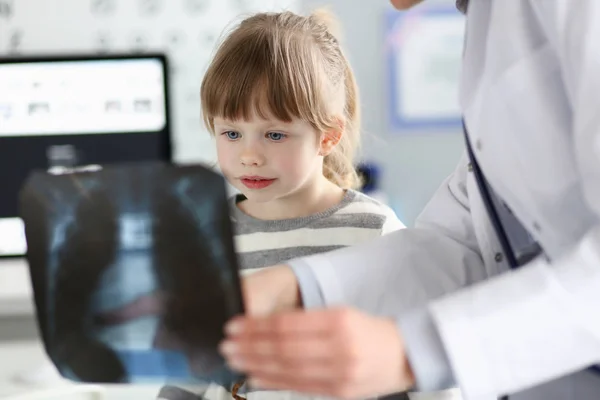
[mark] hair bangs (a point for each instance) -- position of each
(251, 78)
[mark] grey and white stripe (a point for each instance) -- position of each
(356, 219)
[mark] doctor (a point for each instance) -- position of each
(497, 287)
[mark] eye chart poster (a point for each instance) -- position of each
(187, 30)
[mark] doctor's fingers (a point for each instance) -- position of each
(285, 350)
(284, 323)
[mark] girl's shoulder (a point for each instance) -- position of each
(371, 212)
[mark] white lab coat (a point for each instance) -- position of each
(531, 98)
(530, 90)
(530, 94)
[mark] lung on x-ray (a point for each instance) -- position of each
(134, 272)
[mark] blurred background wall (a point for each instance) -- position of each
(413, 162)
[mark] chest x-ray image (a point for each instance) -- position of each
(134, 272)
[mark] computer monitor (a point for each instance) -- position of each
(70, 111)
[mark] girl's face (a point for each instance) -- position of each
(268, 160)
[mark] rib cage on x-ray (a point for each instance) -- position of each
(134, 272)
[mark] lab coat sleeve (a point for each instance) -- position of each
(542, 321)
(310, 292)
(425, 351)
(404, 269)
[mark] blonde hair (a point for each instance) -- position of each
(288, 66)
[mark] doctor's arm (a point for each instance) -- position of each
(542, 321)
(416, 264)
(389, 276)
(401, 272)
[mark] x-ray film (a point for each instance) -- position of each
(134, 272)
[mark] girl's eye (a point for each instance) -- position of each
(232, 135)
(276, 136)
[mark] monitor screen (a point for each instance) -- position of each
(65, 112)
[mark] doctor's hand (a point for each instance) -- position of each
(270, 290)
(339, 352)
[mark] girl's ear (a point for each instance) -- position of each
(331, 138)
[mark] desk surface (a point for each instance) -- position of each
(29, 355)
(16, 296)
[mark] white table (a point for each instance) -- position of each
(16, 295)
(17, 357)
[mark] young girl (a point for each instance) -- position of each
(282, 102)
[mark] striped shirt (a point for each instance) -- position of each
(356, 219)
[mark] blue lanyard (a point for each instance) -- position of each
(487, 195)
(514, 257)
